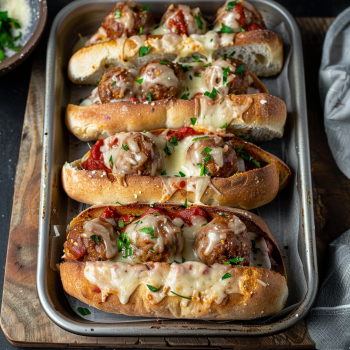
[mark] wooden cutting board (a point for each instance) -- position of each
(24, 322)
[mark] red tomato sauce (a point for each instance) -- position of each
(95, 161)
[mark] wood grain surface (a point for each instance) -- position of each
(22, 318)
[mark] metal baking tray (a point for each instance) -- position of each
(84, 16)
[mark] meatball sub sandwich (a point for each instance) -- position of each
(192, 164)
(162, 94)
(129, 37)
(169, 261)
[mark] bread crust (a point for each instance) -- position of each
(261, 121)
(255, 300)
(88, 64)
(246, 190)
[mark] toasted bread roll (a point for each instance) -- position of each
(256, 117)
(221, 291)
(246, 188)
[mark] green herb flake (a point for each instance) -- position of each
(204, 224)
(173, 140)
(149, 96)
(114, 83)
(166, 149)
(199, 22)
(224, 126)
(111, 161)
(146, 8)
(185, 68)
(193, 121)
(183, 260)
(152, 205)
(256, 162)
(226, 275)
(236, 260)
(144, 131)
(125, 147)
(148, 231)
(223, 214)
(185, 204)
(181, 296)
(225, 29)
(117, 14)
(83, 311)
(118, 203)
(164, 62)
(207, 65)
(95, 238)
(241, 29)
(140, 31)
(139, 80)
(144, 50)
(207, 158)
(182, 174)
(196, 58)
(131, 9)
(200, 138)
(225, 73)
(185, 97)
(153, 289)
(259, 265)
(212, 94)
(121, 223)
(231, 5)
(198, 75)
(163, 173)
(206, 150)
(240, 69)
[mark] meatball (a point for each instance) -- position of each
(223, 76)
(161, 79)
(224, 238)
(117, 84)
(155, 238)
(218, 157)
(128, 19)
(136, 154)
(244, 16)
(182, 19)
(91, 241)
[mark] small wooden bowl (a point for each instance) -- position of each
(39, 15)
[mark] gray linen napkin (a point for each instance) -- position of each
(329, 320)
(334, 83)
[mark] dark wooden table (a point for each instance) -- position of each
(23, 320)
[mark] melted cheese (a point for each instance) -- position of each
(105, 231)
(261, 257)
(190, 279)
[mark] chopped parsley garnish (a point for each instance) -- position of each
(144, 50)
(121, 223)
(164, 62)
(185, 97)
(224, 126)
(211, 39)
(185, 68)
(200, 138)
(212, 94)
(148, 231)
(207, 158)
(140, 80)
(153, 251)
(226, 275)
(173, 140)
(240, 69)
(149, 96)
(118, 203)
(207, 65)
(182, 174)
(190, 76)
(117, 14)
(241, 29)
(225, 29)
(83, 311)
(225, 55)
(225, 73)
(236, 260)
(185, 204)
(196, 58)
(199, 22)
(111, 161)
(183, 260)
(123, 242)
(146, 8)
(114, 83)
(127, 252)
(95, 238)
(228, 85)
(230, 5)
(204, 224)
(152, 205)
(247, 157)
(204, 169)
(156, 27)
(140, 31)
(254, 247)
(131, 8)
(259, 265)
(223, 214)
(181, 296)
(144, 131)
(193, 121)
(153, 289)
(163, 173)
(198, 75)
(125, 147)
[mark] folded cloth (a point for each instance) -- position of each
(329, 320)
(334, 83)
